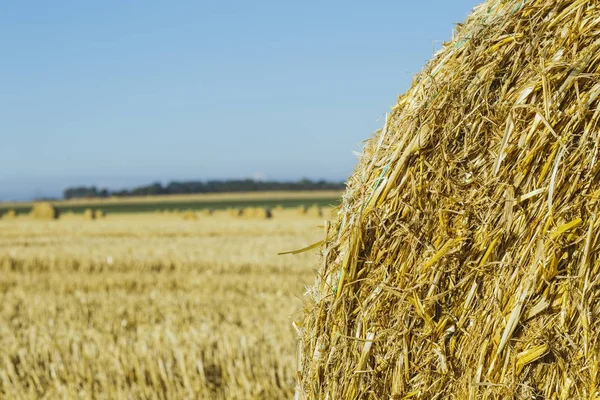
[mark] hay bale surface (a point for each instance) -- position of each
(99, 214)
(465, 258)
(44, 211)
(10, 214)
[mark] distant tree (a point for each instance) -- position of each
(212, 186)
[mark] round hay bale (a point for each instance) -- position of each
(314, 211)
(464, 260)
(250, 212)
(88, 213)
(11, 214)
(235, 212)
(263, 213)
(44, 211)
(207, 212)
(302, 209)
(190, 216)
(99, 214)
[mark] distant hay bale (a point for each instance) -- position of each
(314, 211)
(44, 211)
(464, 260)
(10, 214)
(256, 213)
(235, 212)
(99, 214)
(263, 213)
(278, 208)
(190, 215)
(88, 213)
(302, 209)
(207, 212)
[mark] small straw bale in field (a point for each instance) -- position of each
(190, 215)
(44, 210)
(314, 211)
(278, 209)
(257, 213)
(464, 261)
(302, 209)
(207, 212)
(263, 213)
(235, 212)
(247, 212)
(88, 213)
(99, 214)
(11, 214)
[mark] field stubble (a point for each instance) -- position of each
(151, 306)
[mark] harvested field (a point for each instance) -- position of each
(151, 306)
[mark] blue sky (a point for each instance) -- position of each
(119, 93)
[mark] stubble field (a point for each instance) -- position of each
(152, 306)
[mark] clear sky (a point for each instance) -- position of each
(120, 93)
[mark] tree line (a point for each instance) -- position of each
(194, 187)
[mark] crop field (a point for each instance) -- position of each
(215, 201)
(152, 306)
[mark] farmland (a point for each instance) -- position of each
(148, 305)
(216, 201)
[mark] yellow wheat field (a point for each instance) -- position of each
(152, 306)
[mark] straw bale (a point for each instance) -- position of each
(314, 211)
(257, 213)
(10, 214)
(190, 216)
(465, 258)
(302, 209)
(235, 212)
(99, 214)
(207, 212)
(44, 210)
(88, 213)
(263, 213)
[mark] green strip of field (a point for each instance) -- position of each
(183, 205)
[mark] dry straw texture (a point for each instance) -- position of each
(44, 210)
(464, 260)
(145, 306)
